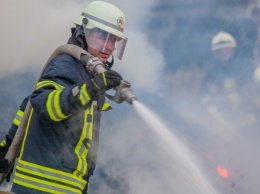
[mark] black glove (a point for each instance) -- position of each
(8, 177)
(4, 167)
(82, 94)
(102, 82)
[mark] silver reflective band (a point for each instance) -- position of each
(103, 22)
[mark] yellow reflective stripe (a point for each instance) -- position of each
(53, 100)
(34, 187)
(95, 84)
(3, 143)
(53, 106)
(90, 125)
(106, 106)
(81, 149)
(18, 117)
(50, 173)
(43, 185)
(29, 121)
(48, 83)
(104, 78)
(84, 96)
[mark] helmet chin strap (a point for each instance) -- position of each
(108, 64)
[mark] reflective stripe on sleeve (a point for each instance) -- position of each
(45, 83)
(53, 106)
(106, 106)
(3, 143)
(18, 117)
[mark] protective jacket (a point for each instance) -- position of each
(17, 119)
(59, 150)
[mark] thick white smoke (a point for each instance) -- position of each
(131, 159)
(31, 30)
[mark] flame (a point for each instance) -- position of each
(222, 171)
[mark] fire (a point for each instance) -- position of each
(222, 171)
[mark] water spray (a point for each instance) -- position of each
(179, 153)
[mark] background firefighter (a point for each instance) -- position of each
(63, 128)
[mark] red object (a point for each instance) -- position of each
(222, 171)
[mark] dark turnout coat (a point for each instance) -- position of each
(60, 145)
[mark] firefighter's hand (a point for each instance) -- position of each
(104, 81)
(4, 146)
(8, 177)
(4, 167)
(82, 94)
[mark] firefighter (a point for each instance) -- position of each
(225, 77)
(226, 83)
(59, 151)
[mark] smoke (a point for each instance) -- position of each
(131, 158)
(31, 30)
(218, 135)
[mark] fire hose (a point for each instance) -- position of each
(123, 93)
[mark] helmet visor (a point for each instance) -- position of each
(105, 42)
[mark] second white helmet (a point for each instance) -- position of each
(223, 40)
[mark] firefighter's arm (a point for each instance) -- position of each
(6, 143)
(4, 167)
(82, 94)
(56, 99)
(51, 97)
(60, 91)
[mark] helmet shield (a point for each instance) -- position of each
(105, 42)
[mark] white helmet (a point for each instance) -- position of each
(256, 75)
(222, 40)
(105, 17)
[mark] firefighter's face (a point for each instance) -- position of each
(101, 44)
(103, 57)
(224, 54)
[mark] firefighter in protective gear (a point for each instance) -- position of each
(221, 77)
(59, 151)
(226, 81)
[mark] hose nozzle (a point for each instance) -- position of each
(92, 64)
(123, 93)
